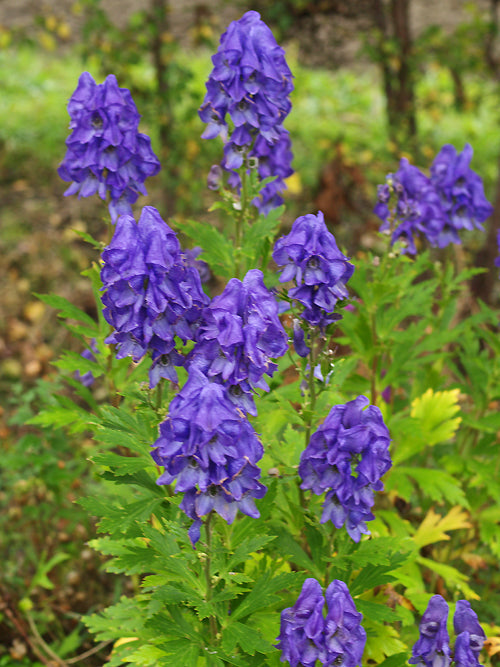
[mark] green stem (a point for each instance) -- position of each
(208, 579)
(312, 386)
(373, 370)
(240, 220)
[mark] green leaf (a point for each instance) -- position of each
(435, 411)
(68, 310)
(247, 637)
(438, 485)
(262, 594)
(217, 249)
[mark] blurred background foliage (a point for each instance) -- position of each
(400, 94)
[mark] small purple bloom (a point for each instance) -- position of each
(346, 458)
(209, 448)
(465, 621)
(246, 102)
(459, 188)
(87, 379)
(301, 634)
(433, 646)
(105, 150)
(344, 636)
(310, 257)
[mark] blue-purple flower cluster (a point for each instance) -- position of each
(105, 150)
(210, 448)
(239, 334)
(432, 648)
(152, 293)
(307, 636)
(251, 83)
(437, 208)
(311, 258)
(346, 458)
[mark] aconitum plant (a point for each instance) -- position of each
(105, 151)
(220, 433)
(306, 636)
(246, 103)
(435, 208)
(346, 458)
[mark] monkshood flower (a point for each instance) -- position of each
(344, 636)
(246, 102)
(346, 457)
(411, 206)
(467, 627)
(436, 208)
(151, 294)
(432, 649)
(460, 189)
(211, 450)
(105, 151)
(301, 632)
(306, 636)
(87, 379)
(239, 334)
(311, 258)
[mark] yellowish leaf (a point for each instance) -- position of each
(433, 528)
(435, 411)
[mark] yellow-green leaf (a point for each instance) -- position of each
(435, 411)
(433, 528)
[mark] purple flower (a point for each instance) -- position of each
(311, 258)
(151, 293)
(239, 334)
(105, 150)
(87, 379)
(301, 633)
(465, 622)
(344, 636)
(459, 188)
(416, 209)
(433, 646)
(436, 208)
(306, 636)
(346, 457)
(246, 102)
(210, 449)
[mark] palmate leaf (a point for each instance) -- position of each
(436, 413)
(263, 594)
(217, 249)
(383, 641)
(438, 485)
(453, 578)
(434, 527)
(245, 636)
(69, 311)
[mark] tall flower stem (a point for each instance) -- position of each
(311, 386)
(208, 578)
(240, 222)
